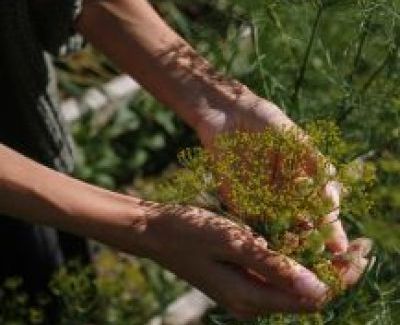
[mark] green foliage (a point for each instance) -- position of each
(16, 307)
(334, 60)
(116, 290)
(81, 70)
(137, 140)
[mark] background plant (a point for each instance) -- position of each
(114, 290)
(333, 59)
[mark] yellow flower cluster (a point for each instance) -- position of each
(274, 181)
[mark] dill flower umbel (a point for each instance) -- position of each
(274, 181)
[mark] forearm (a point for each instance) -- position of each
(40, 195)
(132, 34)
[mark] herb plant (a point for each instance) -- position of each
(275, 182)
(337, 60)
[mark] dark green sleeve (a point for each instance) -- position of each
(53, 20)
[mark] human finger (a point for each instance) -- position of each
(245, 296)
(337, 242)
(278, 270)
(353, 263)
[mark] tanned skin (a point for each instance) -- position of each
(211, 252)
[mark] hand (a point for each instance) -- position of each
(228, 263)
(251, 113)
(245, 112)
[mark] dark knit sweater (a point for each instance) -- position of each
(30, 122)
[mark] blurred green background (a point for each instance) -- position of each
(333, 59)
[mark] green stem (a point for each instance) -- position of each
(347, 110)
(360, 47)
(378, 70)
(306, 58)
(263, 74)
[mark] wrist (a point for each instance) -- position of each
(150, 224)
(248, 112)
(221, 105)
(161, 227)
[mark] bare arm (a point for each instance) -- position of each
(209, 251)
(40, 195)
(132, 34)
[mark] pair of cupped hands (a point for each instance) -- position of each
(227, 261)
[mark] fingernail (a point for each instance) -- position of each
(361, 246)
(338, 246)
(308, 285)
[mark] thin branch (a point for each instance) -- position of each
(303, 68)
(360, 47)
(391, 54)
(263, 74)
(378, 70)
